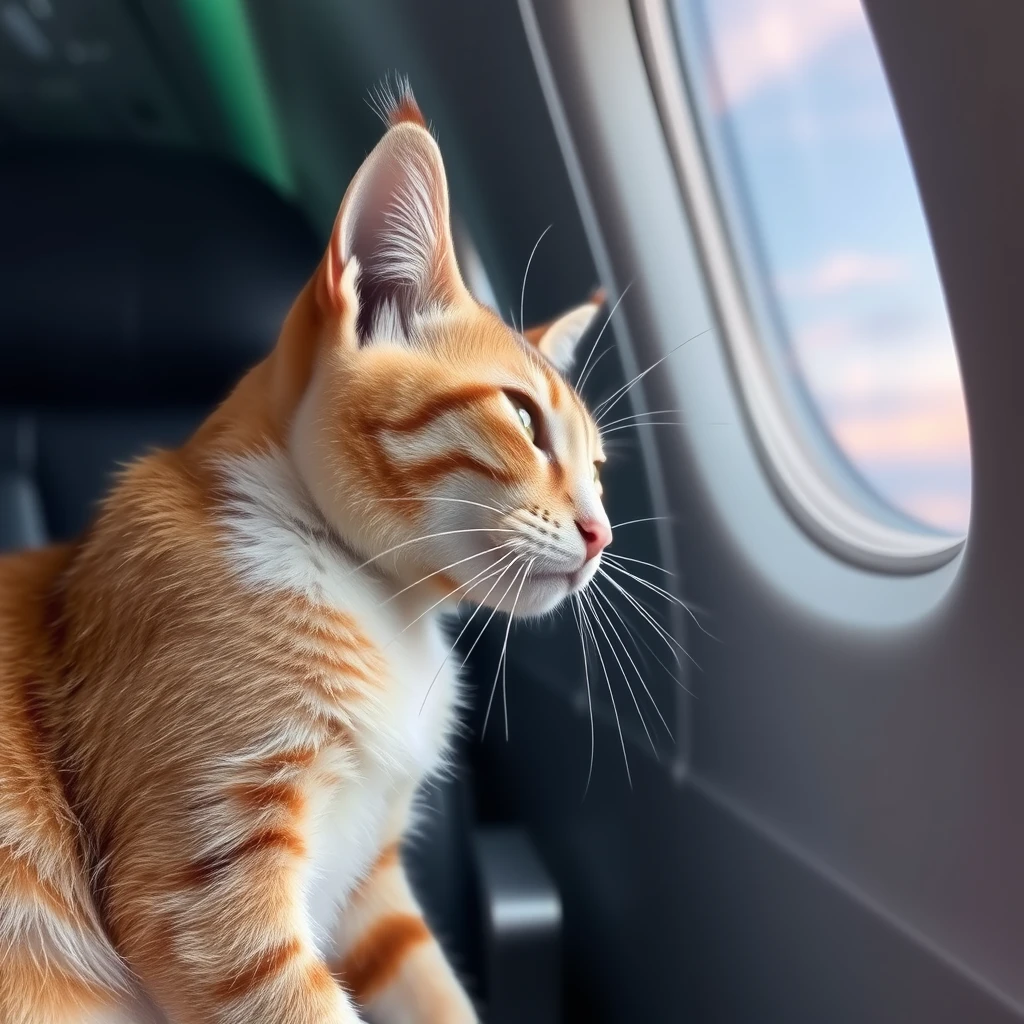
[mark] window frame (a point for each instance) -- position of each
(812, 477)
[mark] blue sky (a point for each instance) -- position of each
(799, 85)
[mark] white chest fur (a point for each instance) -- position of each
(278, 541)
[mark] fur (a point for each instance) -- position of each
(217, 706)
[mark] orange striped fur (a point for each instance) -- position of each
(216, 706)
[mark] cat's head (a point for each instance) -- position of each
(435, 439)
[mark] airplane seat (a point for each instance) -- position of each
(137, 287)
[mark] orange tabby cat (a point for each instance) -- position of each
(216, 706)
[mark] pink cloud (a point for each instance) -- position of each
(894, 405)
(945, 509)
(846, 362)
(760, 41)
(920, 432)
(842, 271)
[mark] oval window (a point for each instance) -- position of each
(821, 202)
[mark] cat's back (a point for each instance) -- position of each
(56, 955)
(31, 796)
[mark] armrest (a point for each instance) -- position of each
(522, 923)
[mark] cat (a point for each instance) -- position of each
(217, 705)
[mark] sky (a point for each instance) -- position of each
(798, 88)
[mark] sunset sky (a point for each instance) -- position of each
(799, 86)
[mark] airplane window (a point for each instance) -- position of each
(821, 204)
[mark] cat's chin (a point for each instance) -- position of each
(543, 595)
(544, 592)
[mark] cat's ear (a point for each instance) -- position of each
(557, 340)
(391, 251)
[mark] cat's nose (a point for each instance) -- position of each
(596, 534)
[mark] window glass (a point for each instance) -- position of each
(829, 226)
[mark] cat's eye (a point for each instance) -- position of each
(528, 416)
(527, 421)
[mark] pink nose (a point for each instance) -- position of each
(596, 535)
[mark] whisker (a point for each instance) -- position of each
(648, 519)
(638, 419)
(504, 653)
(580, 379)
(590, 702)
(666, 636)
(437, 572)
(639, 561)
(501, 658)
(451, 649)
(651, 412)
(611, 647)
(645, 610)
(583, 382)
(447, 597)
(526, 274)
(428, 536)
(609, 403)
(644, 423)
(665, 594)
(494, 610)
(608, 682)
(605, 406)
(638, 638)
(599, 593)
(438, 497)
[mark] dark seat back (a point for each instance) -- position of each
(136, 286)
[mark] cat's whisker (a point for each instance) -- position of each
(611, 694)
(502, 659)
(605, 406)
(448, 597)
(650, 412)
(665, 594)
(428, 536)
(504, 654)
(445, 568)
(638, 637)
(639, 561)
(574, 603)
(631, 422)
(582, 383)
(526, 274)
(609, 403)
(580, 379)
(460, 501)
(494, 611)
(646, 519)
(649, 606)
(462, 631)
(644, 423)
(595, 611)
(670, 641)
(598, 593)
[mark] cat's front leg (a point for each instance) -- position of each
(212, 916)
(388, 958)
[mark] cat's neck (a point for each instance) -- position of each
(278, 538)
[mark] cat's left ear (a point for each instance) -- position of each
(391, 255)
(558, 339)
